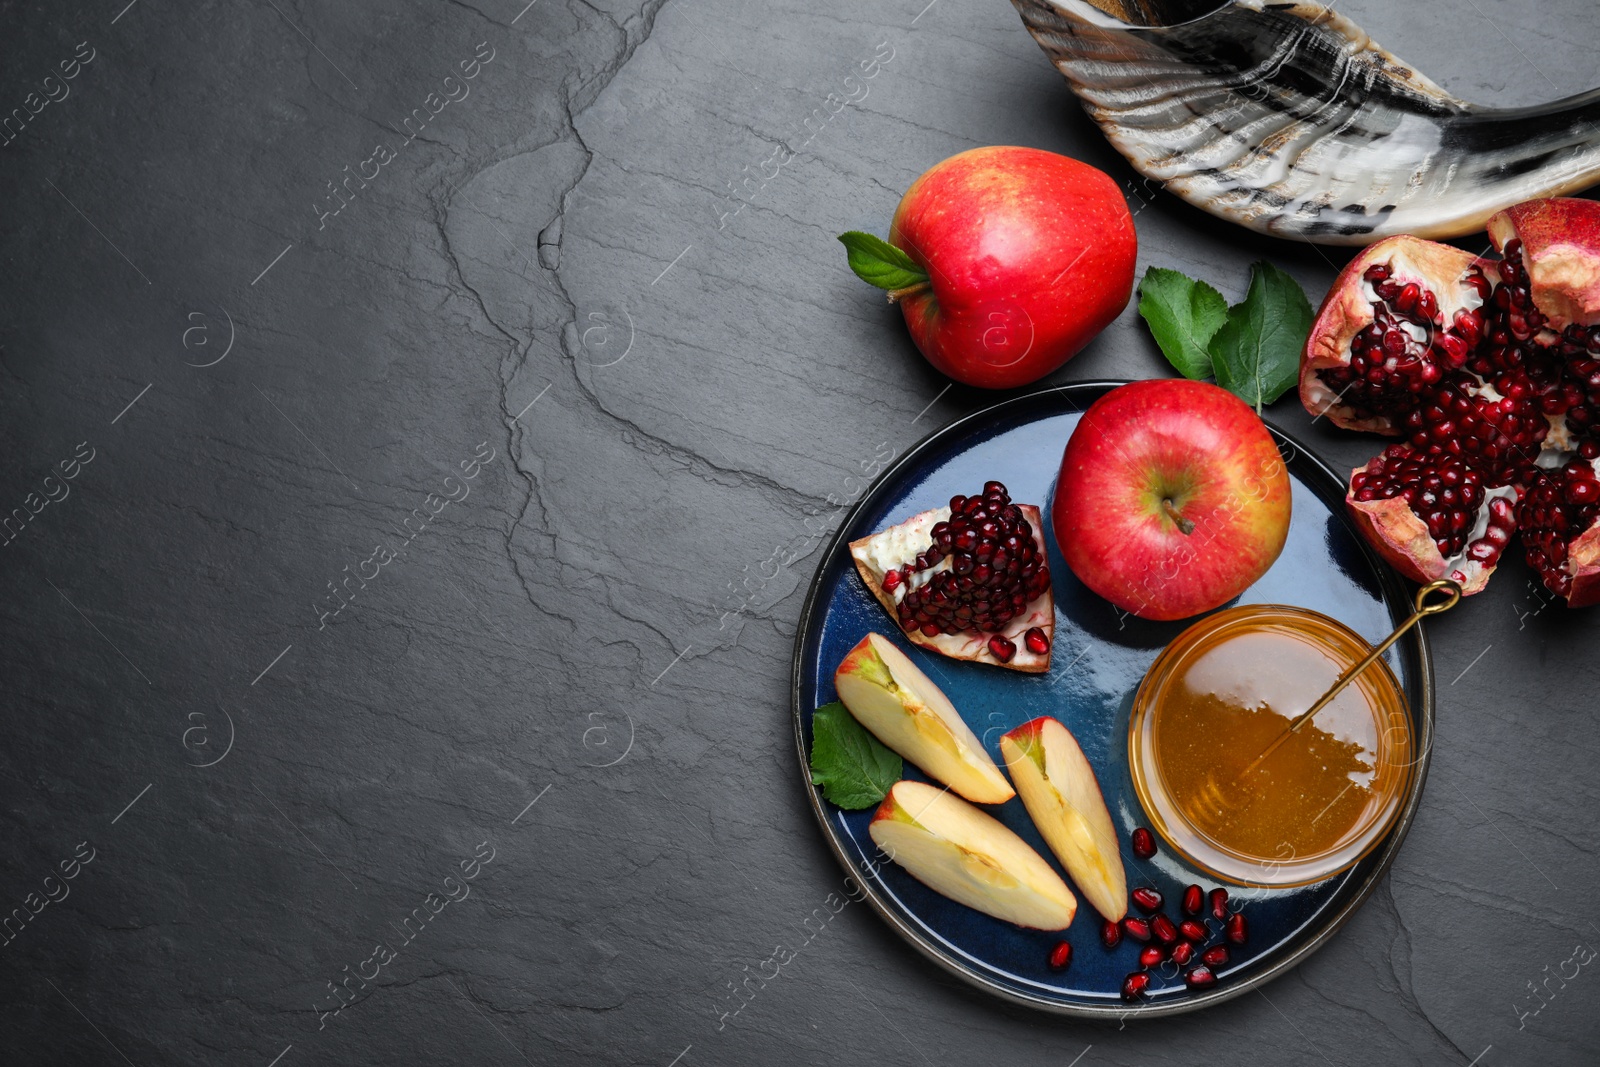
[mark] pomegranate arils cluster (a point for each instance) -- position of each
(1490, 372)
(1183, 943)
(1559, 506)
(1444, 493)
(995, 568)
(1406, 349)
(1501, 434)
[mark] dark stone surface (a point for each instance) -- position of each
(592, 626)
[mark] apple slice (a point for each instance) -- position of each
(898, 546)
(954, 849)
(1059, 790)
(888, 695)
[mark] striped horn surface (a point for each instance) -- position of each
(1288, 119)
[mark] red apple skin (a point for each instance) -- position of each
(1207, 452)
(1029, 255)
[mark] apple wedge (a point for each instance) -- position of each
(886, 550)
(888, 695)
(954, 849)
(1059, 789)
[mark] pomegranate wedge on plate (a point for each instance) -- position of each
(969, 581)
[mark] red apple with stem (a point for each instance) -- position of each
(1005, 262)
(1172, 498)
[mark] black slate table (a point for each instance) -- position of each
(450, 393)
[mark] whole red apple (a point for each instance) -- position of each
(1027, 255)
(1172, 498)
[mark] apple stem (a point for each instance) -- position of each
(1185, 526)
(896, 294)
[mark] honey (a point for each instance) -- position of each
(1217, 699)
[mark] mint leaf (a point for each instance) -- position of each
(1256, 353)
(1183, 314)
(850, 765)
(877, 262)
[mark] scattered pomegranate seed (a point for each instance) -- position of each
(1110, 934)
(1060, 956)
(891, 581)
(1134, 985)
(1215, 956)
(1193, 899)
(1147, 899)
(1219, 904)
(1002, 648)
(1162, 928)
(1237, 933)
(1182, 953)
(1144, 843)
(1137, 929)
(1149, 956)
(1036, 641)
(1194, 931)
(1200, 977)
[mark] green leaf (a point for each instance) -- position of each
(853, 769)
(1183, 314)
(1256, 353)
(877, 262)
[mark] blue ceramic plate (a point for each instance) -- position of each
(1099, 658)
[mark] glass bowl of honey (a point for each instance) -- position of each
(1230, 786)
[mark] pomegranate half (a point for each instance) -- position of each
(1489, 369)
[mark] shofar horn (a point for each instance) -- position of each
(1288, 119)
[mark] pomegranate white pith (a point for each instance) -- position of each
(1490, 370)
(984, 598)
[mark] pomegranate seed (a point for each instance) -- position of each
(1147, 899)
(1427, 306)
(1405, 301)
(1215, 956)
(1199, 977)
(1060, 956)
(1134, 985)
(1162, 928)
(1453, 348)
(1110, 934)
(891, 581)
(1002, 649)
(1137, 929)
(1219, 904)
(1182, 953)
(1237, 932)
(1144, 843)
(1193, 900)
(1036, 641)
(1192, 930)
(1149, 956)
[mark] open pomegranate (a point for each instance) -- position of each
(1489, 369)
(969, 581)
